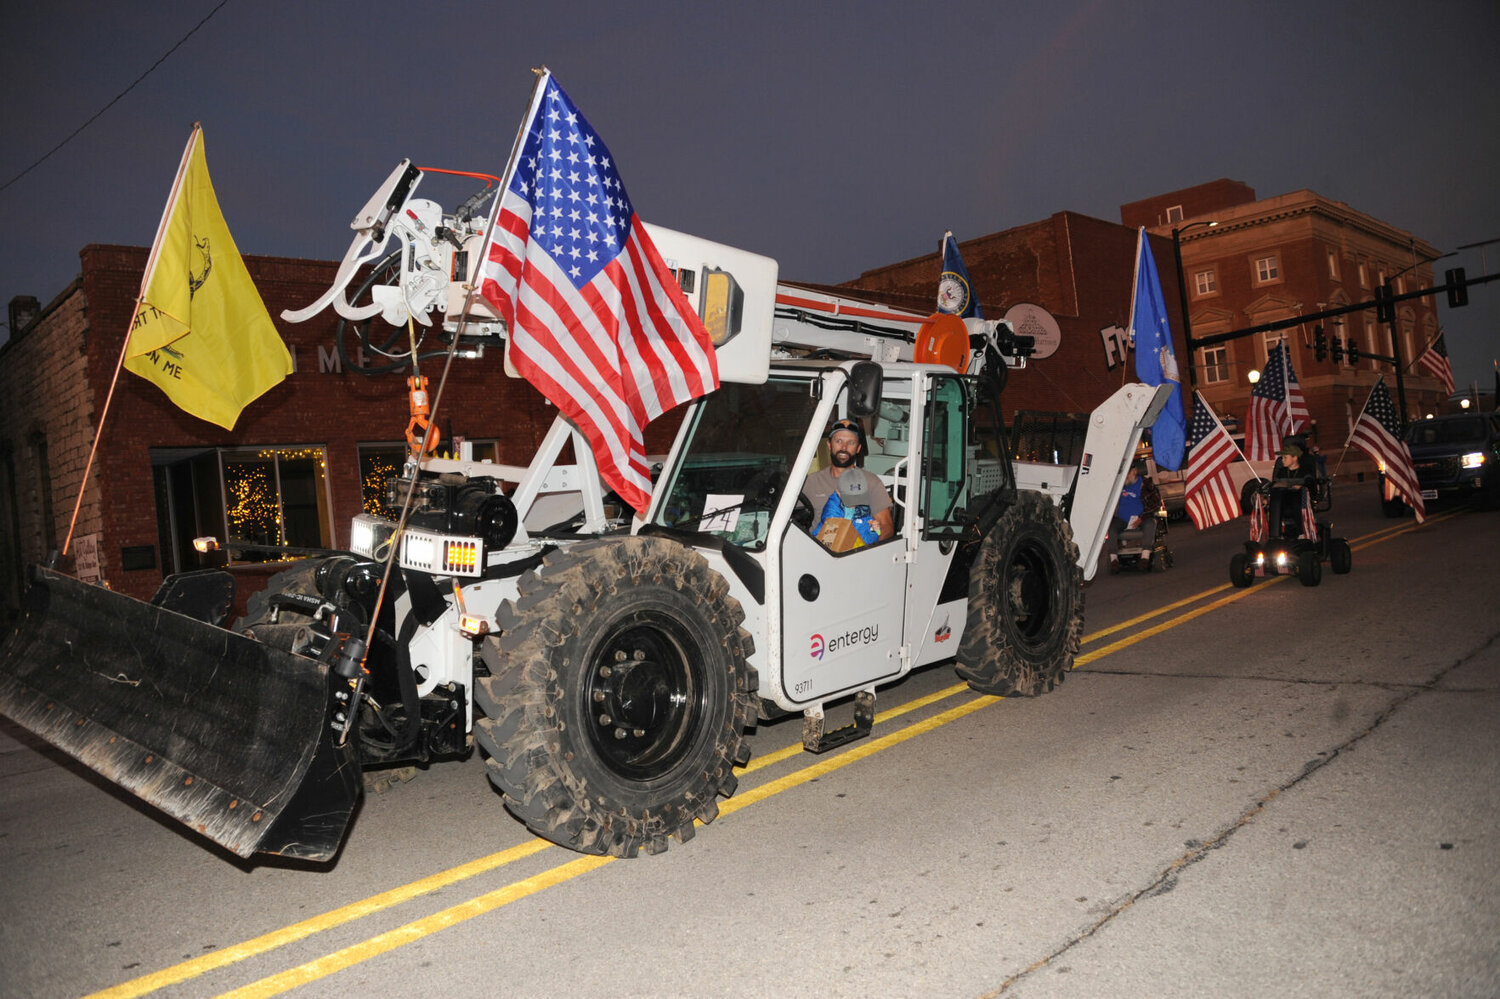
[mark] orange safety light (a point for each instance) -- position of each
(943, 339)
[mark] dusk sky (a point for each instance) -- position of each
(835, 137)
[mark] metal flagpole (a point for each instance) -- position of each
(392, 554)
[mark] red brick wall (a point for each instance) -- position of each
(1076, 267)
(1202, 199)
(56, 378)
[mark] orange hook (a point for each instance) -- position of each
(418, 427)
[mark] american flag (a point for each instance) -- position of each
(1435, 360)
(1210, 492)
(596, 320)
(1377, 433)
(1277, 407)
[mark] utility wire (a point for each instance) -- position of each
(121, 94)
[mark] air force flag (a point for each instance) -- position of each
(1154, 360)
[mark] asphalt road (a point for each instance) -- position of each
(1279, 791)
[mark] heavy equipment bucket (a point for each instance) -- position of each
(230, 736)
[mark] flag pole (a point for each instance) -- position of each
(134, 313)
(1135, 284)
(1344, 448)
(537, 88)
(437, 399)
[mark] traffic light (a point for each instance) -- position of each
(1458, 288)
(1385, 309)
(1338, 349)
(1320, 344)
(1353, 352)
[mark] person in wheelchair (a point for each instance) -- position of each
(1291, 486)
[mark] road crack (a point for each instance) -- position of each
(1166, 880)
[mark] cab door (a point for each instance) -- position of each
(843, 614)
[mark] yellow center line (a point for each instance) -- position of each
(489, 902)
(307, 927)
(522, 889)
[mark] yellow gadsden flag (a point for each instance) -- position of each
(201, 332)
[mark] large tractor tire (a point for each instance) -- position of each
(284, 635)
(619, 696)
(1025, 619)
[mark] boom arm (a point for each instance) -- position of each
(1114, 430)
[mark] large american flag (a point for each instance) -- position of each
(596, 320)
(1435, 360)
(1277, 407)
(1377, 433)
(1210, 495)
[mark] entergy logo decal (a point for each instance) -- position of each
(820, 646)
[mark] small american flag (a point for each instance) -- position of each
(596, 320)
(1210, 495)
(1377, 433)
(1435, 360)
(1277, 407)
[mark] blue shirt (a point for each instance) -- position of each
(1130, 501)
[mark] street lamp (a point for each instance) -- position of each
(1187, 323)
(1253, 376)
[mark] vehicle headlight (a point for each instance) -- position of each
(361, 539)
(1474, 459)
(419, 549)
(1281, 558)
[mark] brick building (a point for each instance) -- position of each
(1067, 280)
(310, 454)
(302, 460)
(1294, 254)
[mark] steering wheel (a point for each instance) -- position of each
(802, 513)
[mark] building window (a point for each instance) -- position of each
(276, 496)
(42, 462)
(1267, 269)
(1215, 363)
(1269, 342)
(1333, 265)
(1370, 342)
(270, 496)
(1204, 283)
(1174, 214)
(1364, 275)
(380, 462)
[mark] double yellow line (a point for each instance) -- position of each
(490, 901)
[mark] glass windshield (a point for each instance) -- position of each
(1445, 431)
(733, 467)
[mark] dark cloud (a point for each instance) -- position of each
(835, 137)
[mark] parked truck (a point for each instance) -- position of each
(608, 666)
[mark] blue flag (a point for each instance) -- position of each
(1154, 360)
(955, 293)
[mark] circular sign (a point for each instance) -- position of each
(1036, 322)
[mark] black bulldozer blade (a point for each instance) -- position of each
(227, 735)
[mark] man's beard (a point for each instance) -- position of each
(842, 459)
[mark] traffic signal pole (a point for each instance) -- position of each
(1384, 304)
